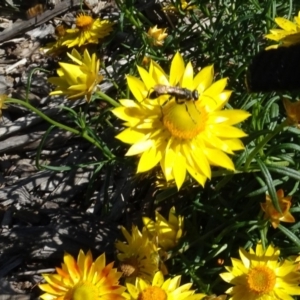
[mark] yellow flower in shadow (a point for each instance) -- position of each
(166, 232)
(139, 256)
(161, 289)
(83, 279)
(79, 79)
(274, 216)
(156, 35)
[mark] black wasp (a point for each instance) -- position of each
(181, 94)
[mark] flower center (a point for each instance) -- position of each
(152, 293)
(86, 291)
(184, 121)
(130, 267)
(84, 22)
(284, 206)
(261, 280)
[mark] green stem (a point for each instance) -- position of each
(60, 125)
(108, 99)
(129, 14)
(263, 142)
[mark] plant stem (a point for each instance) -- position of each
(108, 99)
(83, 134)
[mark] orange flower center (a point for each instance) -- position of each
(184, 121)
(152, 293)
(261, 280)
(86, 291)
(84, 22)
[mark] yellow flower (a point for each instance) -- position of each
(56, 48)
(184, 6)
(189, 132)
(3, 97)
(260, 275)
(161, 289)
(293, 111)
(77, 80)
(275, 216)
(87, 31)
(288, 35)
(139, 257)
(167, 233)
(83, 279)
(157, 36)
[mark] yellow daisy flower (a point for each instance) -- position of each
(167, 233)
(3, 97)
(157, 36)
(275, 216)
(79, 79)
(288, 35)
(260, 275)
(179, 121)
(139, 257)
(161, 289)
(87, 31)
(83, 279)
(184, 6)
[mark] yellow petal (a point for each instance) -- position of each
(158, 279)
(200, 178)
(72, 267)
(130, 136)
(179, 170)
(139, 147)
(226, 131)
(177, 69)
(71, 72)
(204, 79)
(228, 117)
(149, 159)
(219, 158)
(134, 292)
(147, 79)
(216, 88)
(137, 88)
(188, 76)
(286, 24)
(76, 57)
(197, 159)
(234, 144)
